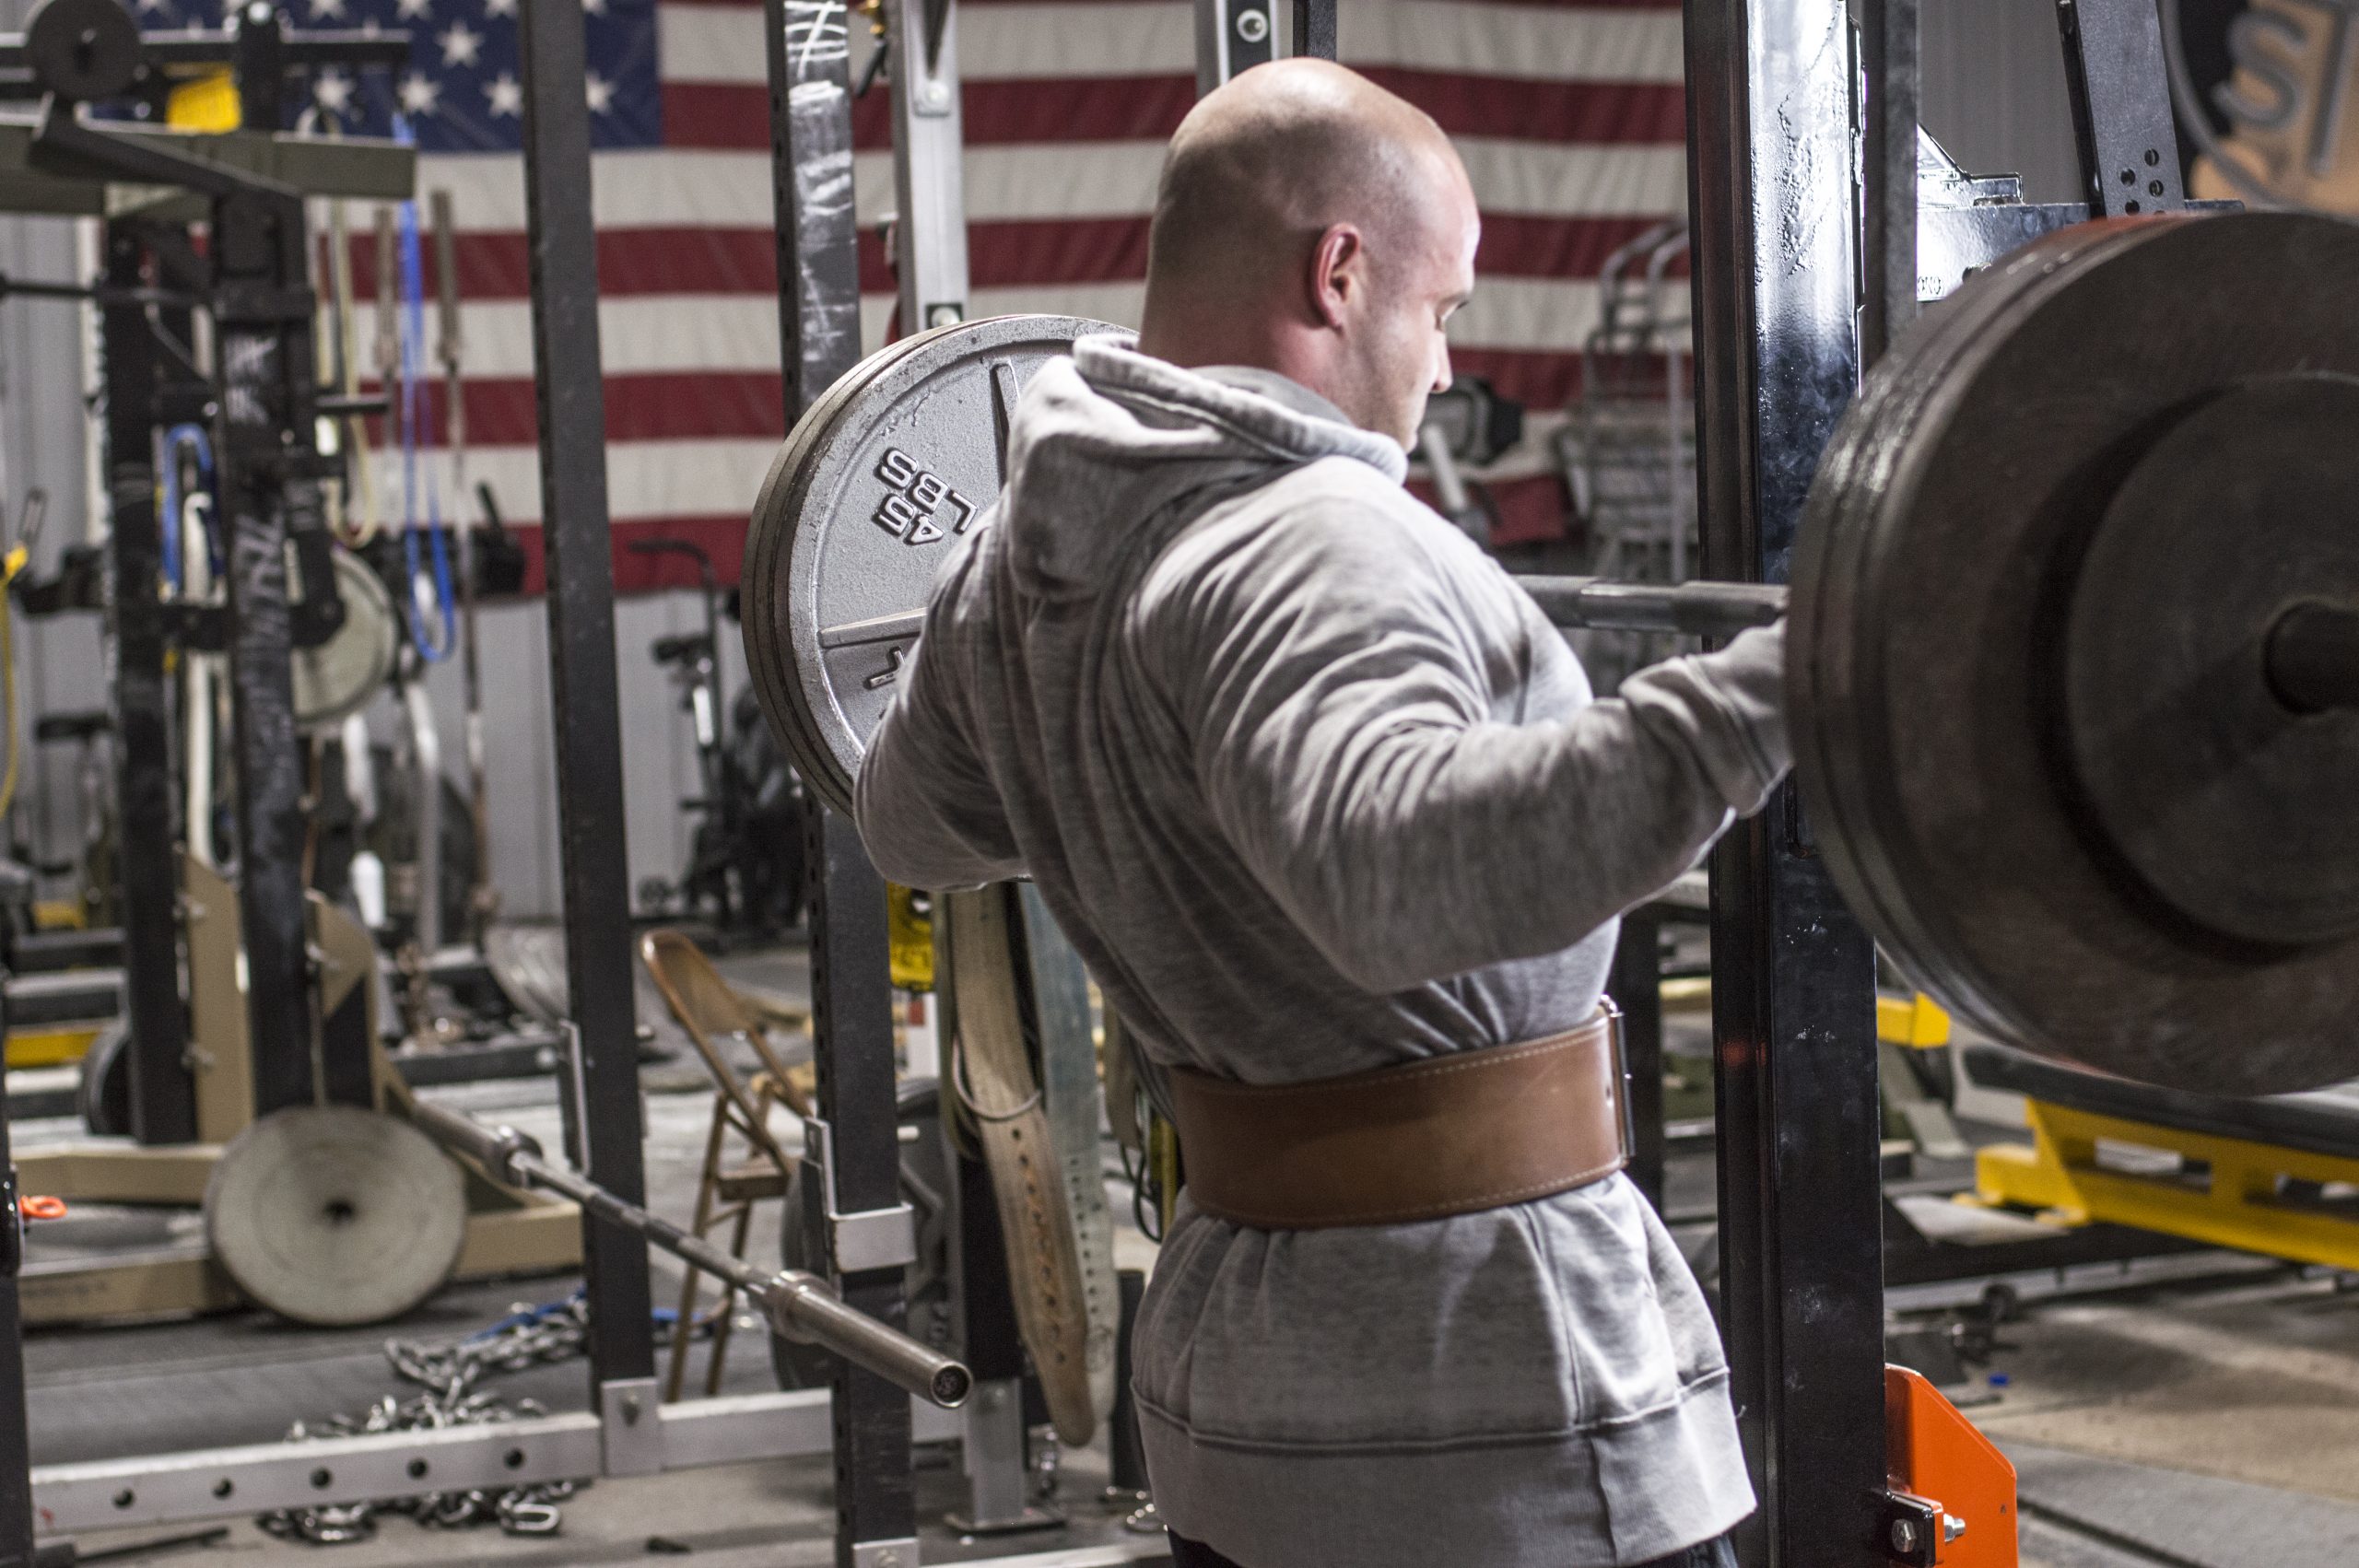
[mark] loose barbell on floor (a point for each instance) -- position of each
(2074, 636)
(800, 1305)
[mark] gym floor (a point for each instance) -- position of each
(2210, 1422)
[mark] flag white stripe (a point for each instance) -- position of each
(723, 43)
(644, 479)
(665, 188)
(676, 333)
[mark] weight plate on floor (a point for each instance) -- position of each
(1931, 656)
(528, 963)
(336, 1216)
(2235, 809)
(874, 486)
(337, 678)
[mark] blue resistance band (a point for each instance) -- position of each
(413, 336)
(194, 438)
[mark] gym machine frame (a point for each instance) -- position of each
(247, 1036)
(625, 1432)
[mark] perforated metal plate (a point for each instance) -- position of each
(1945, 551)
(336, 1216)
(876, 483)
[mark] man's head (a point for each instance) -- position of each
(1311, 223)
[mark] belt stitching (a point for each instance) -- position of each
(1464, 1062)
(1475, 1203)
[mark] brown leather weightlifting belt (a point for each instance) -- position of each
(1479, 1130)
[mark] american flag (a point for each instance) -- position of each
(1570, 117)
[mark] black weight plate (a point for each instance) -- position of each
(2239, 811)
(874, 486)
(1931, 585)
(104, 1093)
(82, 49)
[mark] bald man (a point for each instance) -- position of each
(1330, 808)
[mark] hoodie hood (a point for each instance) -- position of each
(1110, 442)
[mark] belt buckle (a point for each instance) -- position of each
(1621, 1072)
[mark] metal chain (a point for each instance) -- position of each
(449, 1372)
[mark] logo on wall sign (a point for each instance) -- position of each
(919, 506)
(2272, 112)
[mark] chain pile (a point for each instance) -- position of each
(449, 1373)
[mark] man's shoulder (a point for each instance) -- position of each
(1333, 537)
(1335, 513)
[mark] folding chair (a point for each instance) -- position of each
(712, 1010)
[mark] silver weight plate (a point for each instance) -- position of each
(337, 678)
(336, 1216)
(874, 486)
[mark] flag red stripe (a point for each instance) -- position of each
(1015, 253)
(1532, 510)
(735, 115)
(722, 538)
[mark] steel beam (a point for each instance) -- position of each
(263, 307)
(1888, 67)
(1237, 35)
(1770, 104)
(163, 1095)
(602, 1108)
(852, 1021)
(228, 1483)
(818, 236)
(850, 984)
(930, 235)
(2123, 122)
(17, 1518)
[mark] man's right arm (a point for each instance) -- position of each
(1330, 674)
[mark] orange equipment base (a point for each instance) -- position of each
(1932, 1452)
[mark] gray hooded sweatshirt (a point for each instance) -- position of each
(1316, 789)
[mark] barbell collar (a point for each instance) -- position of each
(798, 1305)
(1689, 609)
(803, 1307)
(499, 1150)
(2314, 657)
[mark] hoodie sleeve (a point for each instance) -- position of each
(928, 812)
(1335, 675)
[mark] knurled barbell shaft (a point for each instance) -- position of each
(798, 1305)
(1691, 608)
(2314, 657)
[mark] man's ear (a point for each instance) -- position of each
(1338, 272)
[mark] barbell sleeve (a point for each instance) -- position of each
(2314, 657)
(1690, 609)
(497, 1149)
(798, 1305)
(804, 1306)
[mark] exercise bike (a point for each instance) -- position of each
(745, 872)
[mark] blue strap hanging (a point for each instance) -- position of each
(429, 647)
(192, 438)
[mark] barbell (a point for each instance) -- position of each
(801, 1306)
(2073, 646)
